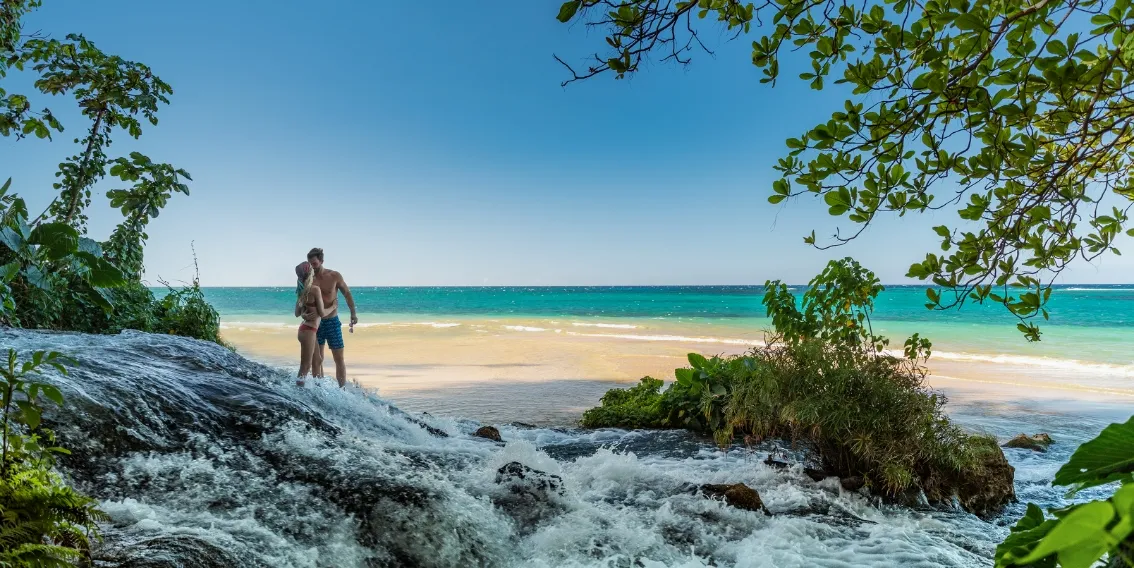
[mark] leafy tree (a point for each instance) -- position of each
(1018, 114)
(154, 185)
(48, 259)
(114, 94)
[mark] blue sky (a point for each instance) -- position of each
(429, 143)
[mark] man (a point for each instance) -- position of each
(331, 329)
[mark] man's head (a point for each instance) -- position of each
(315, 257)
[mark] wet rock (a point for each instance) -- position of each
(982, 488)
(529, 496)
(737, 495)
(771, 461)
(181, 551)
(431, 429)
(815, 474)
(523, 478)
(852, 483)
(489, 433)
(523, 426)
(1038, 442)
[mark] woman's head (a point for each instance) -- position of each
(305, 276)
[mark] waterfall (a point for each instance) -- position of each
(205, 459)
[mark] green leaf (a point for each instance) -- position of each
(52, 393)
(568, 9)
(698, 361)
(684, 376)
(103, 274)
(30, 413)
(90, 246)
(38, 278)
(969, 22)
(1076, 537)
(58, 240)
(9, 271)
(1107, 458)
(12, 239)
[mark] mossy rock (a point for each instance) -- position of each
(1038, 442)
(983, 487)
(489, 433)
(737, 495)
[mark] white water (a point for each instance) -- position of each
(197, 453)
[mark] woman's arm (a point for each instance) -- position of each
(323, 312)
(299, 305)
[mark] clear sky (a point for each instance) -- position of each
(429, 143)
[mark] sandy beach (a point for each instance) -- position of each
(549, 371)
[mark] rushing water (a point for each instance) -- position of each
(205, 459)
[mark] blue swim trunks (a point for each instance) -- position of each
(331, 331)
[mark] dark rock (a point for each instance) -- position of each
(775, 463)
(523, 426)
(523, 478)
(182, 551)
(432, 430)
(853, 483)
(738, 495)
(489, 433)
(816, 474)
(1038, 443)
(982, 488)
(531, 496)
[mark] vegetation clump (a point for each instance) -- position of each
(826, 381)
(43, 521)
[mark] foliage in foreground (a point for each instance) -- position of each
(43, 521)
(826, 381)
(1015, 114)
(1080, 535)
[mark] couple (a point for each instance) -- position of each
(317, 302)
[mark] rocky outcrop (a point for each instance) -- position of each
(982, 489)
(852, 483)
(1038, 442)
(530, 496)
(737, 495)
(523, 479)
(489, 433)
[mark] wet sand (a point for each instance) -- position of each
(513, 370)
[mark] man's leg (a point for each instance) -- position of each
(317, 363)
(340, 366)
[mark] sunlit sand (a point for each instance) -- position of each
(549, 371)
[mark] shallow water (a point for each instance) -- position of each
(203, 458)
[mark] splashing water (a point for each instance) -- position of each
(205, 459)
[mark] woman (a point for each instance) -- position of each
(309, 306)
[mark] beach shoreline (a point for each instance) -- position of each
(547, 372)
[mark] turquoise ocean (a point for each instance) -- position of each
(1091, 326)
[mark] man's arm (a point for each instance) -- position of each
(349, 299)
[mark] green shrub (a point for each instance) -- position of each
(636, 407)
(825, 381)
(185, 312)
(870, 417)
(43, 521)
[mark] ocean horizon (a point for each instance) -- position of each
(1089, 324)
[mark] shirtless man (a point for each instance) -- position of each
(330, 331)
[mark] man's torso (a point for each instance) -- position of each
(328, 282)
